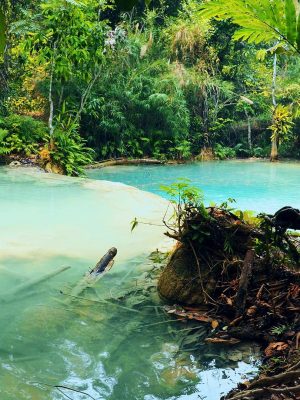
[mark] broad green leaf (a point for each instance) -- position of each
(291, 20)
(298, 33)
(2, 32)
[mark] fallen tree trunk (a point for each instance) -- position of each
(125, 161)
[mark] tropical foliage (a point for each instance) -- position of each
(275, 21)
(169, 79)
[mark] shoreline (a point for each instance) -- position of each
(29, 163)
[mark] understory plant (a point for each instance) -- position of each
(223, 152)
(69, 152)
(21, 135)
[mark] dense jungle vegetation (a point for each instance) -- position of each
(85, 80)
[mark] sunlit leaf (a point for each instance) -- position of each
(214, 324)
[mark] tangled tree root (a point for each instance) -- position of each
(248, 274)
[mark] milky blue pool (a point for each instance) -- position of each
(256, 185)
(103, 342)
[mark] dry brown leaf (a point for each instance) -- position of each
(223, 341)
(202, 318)
(275, 347)
(294, 291)
(189, 315)
(251, 311)
(214, 324)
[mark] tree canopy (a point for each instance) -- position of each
(169, 80)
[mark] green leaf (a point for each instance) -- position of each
(134, 224)
(2, 32)
(298, 33)
(291, 20)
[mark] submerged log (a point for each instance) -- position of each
(92, 277)
(31, 283)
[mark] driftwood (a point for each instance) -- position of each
(125, 161)
(288, 376)
(90, 279)
(105, 263)
(259, 393)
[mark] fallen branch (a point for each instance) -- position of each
(125, 161)
(241, 297)
(258, 393)
(272, 380)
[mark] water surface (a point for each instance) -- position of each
(255, 185)
(105, 343)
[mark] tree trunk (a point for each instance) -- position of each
(249, 130)
(274, 150)
(51, 104)
(274, 147)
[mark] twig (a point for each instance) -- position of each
(59, 387)
(162, 322)
(101, 301)
(73, 390)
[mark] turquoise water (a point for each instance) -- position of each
(104, 343)
(255, 185)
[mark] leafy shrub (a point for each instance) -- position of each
(242, 151)
(21, 134)
(260, 152)
(223, 152)
(68, 150)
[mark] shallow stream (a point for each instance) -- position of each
(103, 343)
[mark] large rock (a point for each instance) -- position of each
(180, 280)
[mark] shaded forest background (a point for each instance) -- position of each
(92, 80)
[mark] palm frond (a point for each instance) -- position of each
(259, 20)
